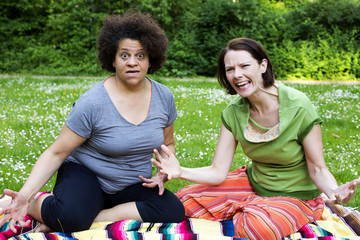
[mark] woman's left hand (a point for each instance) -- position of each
(344, 193)
(157, 180)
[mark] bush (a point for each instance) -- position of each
(331, 57)
(316, 39)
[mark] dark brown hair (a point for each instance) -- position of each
(256, 50)
(136, 26)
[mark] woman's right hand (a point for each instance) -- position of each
(16, 211)
(344, 193)
(169, 166)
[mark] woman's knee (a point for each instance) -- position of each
(73, 222)
(67, 217)
(166, 208)
(77, 199)
(255, 222)
(173, 206)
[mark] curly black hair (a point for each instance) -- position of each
(135, 26)
(256, 50)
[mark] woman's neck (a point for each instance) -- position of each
(129, 89)
(264, 100)
(264, 107)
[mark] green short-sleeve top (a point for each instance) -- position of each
(278, 166)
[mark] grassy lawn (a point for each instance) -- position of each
(33, 111)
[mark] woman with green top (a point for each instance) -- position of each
(279, 130)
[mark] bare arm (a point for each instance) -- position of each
(169, 140)
(320, 174)
(44, 168)
(214, 174)
(50, 160)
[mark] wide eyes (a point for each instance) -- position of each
(125, 56)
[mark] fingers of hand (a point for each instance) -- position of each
(348, 197)
(161, 188)
(353, 187)
(346, 192)
(13, 218)
(22, 223)
(3, 211)
(166, 150)
(161, 191)
(156, 163)
(4, 219)
(330, 201)
(145, 179)
(158, 155)
(149, 185)
(9, 192)
(356, 181)
(12, 225)
(6, 211)
(338, 199)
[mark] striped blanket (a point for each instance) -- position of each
(337, 223)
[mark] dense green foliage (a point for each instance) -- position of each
(39, 108)
(306, 39)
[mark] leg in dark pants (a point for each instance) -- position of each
(151, 206)
(77, 200)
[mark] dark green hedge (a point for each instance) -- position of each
(305, 39)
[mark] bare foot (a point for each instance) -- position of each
(43, 228)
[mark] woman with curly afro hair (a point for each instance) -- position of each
(135, 26)
(103, 153)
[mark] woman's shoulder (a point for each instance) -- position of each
(236, 102)
(92, 96)
(160, 88)
(291, 91)
(94, 91)
(293, 101)
(292, 96)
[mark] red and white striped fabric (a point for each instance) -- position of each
(254, 217)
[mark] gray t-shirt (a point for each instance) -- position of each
(116, 150)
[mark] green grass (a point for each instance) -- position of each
(34, 110)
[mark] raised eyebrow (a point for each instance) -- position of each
(128, 50)
(142, 51)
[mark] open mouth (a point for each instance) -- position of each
(132, 72)
(243, 85)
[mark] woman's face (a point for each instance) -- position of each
(243, 72)
(131, 61)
